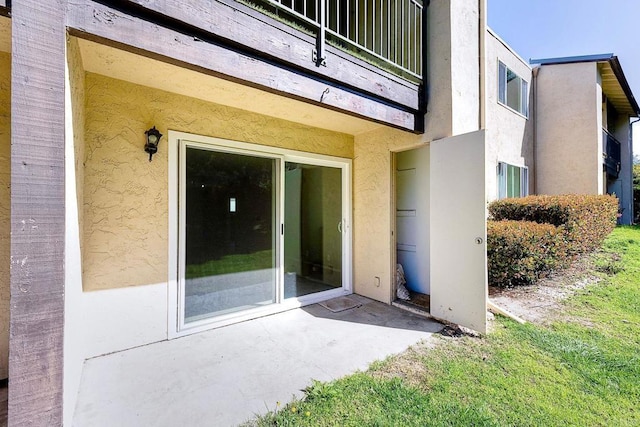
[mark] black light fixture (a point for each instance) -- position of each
(153, 139)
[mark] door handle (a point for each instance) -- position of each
(340, 227)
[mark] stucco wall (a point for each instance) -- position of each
(465, 67)
(5, 208)
(438, 83)
(453, 107)
(372, 209)
(621, 130)
(75, 325)
(453, 71)
(509, 135)
(569, 130)
(125, 195)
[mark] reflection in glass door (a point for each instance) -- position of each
(313, 229)
(229, 232)
(259, 230)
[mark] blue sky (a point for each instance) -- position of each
(553, 28)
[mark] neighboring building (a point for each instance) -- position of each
(562, 127)
(296, 164)
(510, 122)
(583, 138)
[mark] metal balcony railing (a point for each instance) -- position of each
(611, 154)
(388, 30)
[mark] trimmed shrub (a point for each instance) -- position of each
(585, 220)
(521, 252)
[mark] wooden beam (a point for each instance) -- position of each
(243, 26)
(37, 212)
(104, 24)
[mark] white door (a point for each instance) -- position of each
(458, 230)
(412, 217)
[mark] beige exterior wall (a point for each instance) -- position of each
(5, 208)
(75, 325)
(465, 66)
(125, 195)
(453, 70)
(373, 214)
(509, 135)
(569, 130)
(453, 107)
(438, 85)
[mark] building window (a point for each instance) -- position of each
(513, 181)
(513, 90)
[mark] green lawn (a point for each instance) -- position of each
(582, 370)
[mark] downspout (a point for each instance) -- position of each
(534, 115)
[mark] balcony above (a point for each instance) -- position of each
(611, 154)
(367, 65)
(386, 33)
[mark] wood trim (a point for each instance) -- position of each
(236, 24)
(98, 22)
(37, 213)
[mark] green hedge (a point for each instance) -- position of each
(585, 220)
(520, 252)
(529, 237)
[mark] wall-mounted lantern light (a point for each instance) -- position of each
(153, 139)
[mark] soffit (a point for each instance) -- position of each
(613, 90)
(122, 65)
(5, 34)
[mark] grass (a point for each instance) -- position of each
(582, 369)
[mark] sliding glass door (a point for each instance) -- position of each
(258, 229)
(313, 229)
(229, 232)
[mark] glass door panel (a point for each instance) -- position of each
(313, 229)
(229, 232)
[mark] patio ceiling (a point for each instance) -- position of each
(119, 64)
(5, 34)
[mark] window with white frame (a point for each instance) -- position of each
(513, 90)
(513, 181)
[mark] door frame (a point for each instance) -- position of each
(175, 319)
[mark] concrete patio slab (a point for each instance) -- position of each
(228, 375)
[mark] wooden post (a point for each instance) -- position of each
(37, 212)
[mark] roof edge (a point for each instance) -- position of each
(573, 59)
(617, 70)
(603, 57)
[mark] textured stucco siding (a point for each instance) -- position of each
(453, 107)
(453, 70)
(372, 209)
(125, 195)
(438, 82)
(75, 326)
(465, 66)
(5, 208)
(569, 130)
(509, 135)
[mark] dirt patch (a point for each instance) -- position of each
(542, 302)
